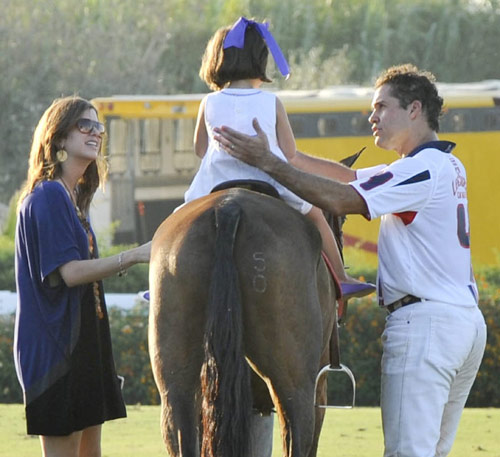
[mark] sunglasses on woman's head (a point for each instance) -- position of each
(87, 125)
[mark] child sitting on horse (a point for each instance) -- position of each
(234, 66)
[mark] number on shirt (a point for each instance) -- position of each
(463, 231)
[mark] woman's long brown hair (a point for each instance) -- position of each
(54, 126)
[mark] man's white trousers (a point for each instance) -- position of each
(431, 355)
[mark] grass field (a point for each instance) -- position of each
(346, 433)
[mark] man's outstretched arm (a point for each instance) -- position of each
(328, 194)
(322, 167)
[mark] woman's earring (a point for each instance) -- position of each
(61, 155)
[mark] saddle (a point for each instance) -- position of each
(255, 185)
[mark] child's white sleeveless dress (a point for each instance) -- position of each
(236, 108)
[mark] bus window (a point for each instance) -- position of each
(149, 146)
(458, 122)
(360, 124)
(185, 161)
(492, 121)
(297, 124)
(117, 145)
(327, 126)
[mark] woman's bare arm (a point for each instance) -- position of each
(79, 272)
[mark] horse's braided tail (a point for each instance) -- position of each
(225, 375)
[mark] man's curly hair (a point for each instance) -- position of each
(408, 84)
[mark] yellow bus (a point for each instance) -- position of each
(150, 152)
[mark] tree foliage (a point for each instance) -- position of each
(51, 48)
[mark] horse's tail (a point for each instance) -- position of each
(225, 375)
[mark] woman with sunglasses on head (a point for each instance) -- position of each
(62, 343)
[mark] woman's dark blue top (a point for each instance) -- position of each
(48, 236)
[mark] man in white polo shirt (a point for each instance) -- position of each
(435, 334)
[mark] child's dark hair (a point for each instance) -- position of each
(408, 83)
(220, 66)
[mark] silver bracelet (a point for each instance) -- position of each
(122, 271)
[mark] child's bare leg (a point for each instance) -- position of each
(329, 244)
(351, 287)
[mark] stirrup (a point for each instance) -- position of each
(329, 369)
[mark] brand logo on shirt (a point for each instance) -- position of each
(459, 184)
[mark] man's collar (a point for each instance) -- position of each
(443, 146)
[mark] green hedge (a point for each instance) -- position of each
(7, 278)
(360, 350)
(129, 332)
(10, 392)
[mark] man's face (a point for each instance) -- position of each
(390, 122)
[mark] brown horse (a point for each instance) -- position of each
(238, 289)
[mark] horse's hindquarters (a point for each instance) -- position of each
(276, 254)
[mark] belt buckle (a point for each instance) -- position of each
(403, 301)
(394, 306)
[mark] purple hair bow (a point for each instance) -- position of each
(236, 37)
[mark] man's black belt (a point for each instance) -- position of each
(406, 300)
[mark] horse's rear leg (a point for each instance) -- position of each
(300, 421)
(176, 356)
(289, 368)
(296, 413)
(291, 382)
(321, 399)
(179, 424)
